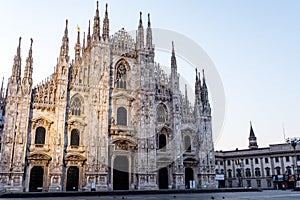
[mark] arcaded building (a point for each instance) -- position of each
(107, 119)
(274, 167)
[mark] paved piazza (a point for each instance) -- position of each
(268, 194)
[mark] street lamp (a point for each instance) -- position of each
(294, 141)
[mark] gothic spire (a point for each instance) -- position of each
(141, 21)
(96, 30)
(2, 89)
(204, 92)
(16, 71)
(252, 139)
(186, 97)
(28, 68)
(88, 38)
(105, 32)
(64, 49)
(77, 47)
(173, 58)
(140, 34)
(197, 86)
(149, 33)
(83, 43)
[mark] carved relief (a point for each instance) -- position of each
(39, 159)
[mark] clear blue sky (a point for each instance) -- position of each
(254, 44)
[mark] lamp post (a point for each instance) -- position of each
(294, 141)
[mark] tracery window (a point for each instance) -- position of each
(74, 137)
(76, 106)
(121, 76)
(161, 114)
(40, 135)
(187, 143)
(122, 116)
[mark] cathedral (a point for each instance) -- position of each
(108, 119)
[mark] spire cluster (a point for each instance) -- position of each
(16, 70)
(96, 37)
(201, 94)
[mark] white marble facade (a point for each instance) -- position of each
(108, 119)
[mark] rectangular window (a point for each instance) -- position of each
(268, 172)
(256, 160)
(278, 170)
(266, 160)
(248, 183)
(276, 159)
(247, 162)
(258, 182)
(289, 171)
(248, 173)
(228, 162)
(257, 172)
(229, 174)
(216, 162)
(287, 159)
(221, 162)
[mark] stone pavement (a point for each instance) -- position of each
(267, 194)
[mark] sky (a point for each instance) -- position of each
(253, 44)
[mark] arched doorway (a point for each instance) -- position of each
(121, 173)
(36, 179)
(72, 179)
(163, 181)
(189, 176)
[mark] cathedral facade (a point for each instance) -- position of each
(109, 119)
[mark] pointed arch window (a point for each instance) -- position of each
(162, 142)
(74, 137)
(161, 113)
(122, 116)
(121, 76)
(76, 106)
(40, 135)
(187, 143)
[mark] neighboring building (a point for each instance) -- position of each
(109, 119)
(269, 167)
